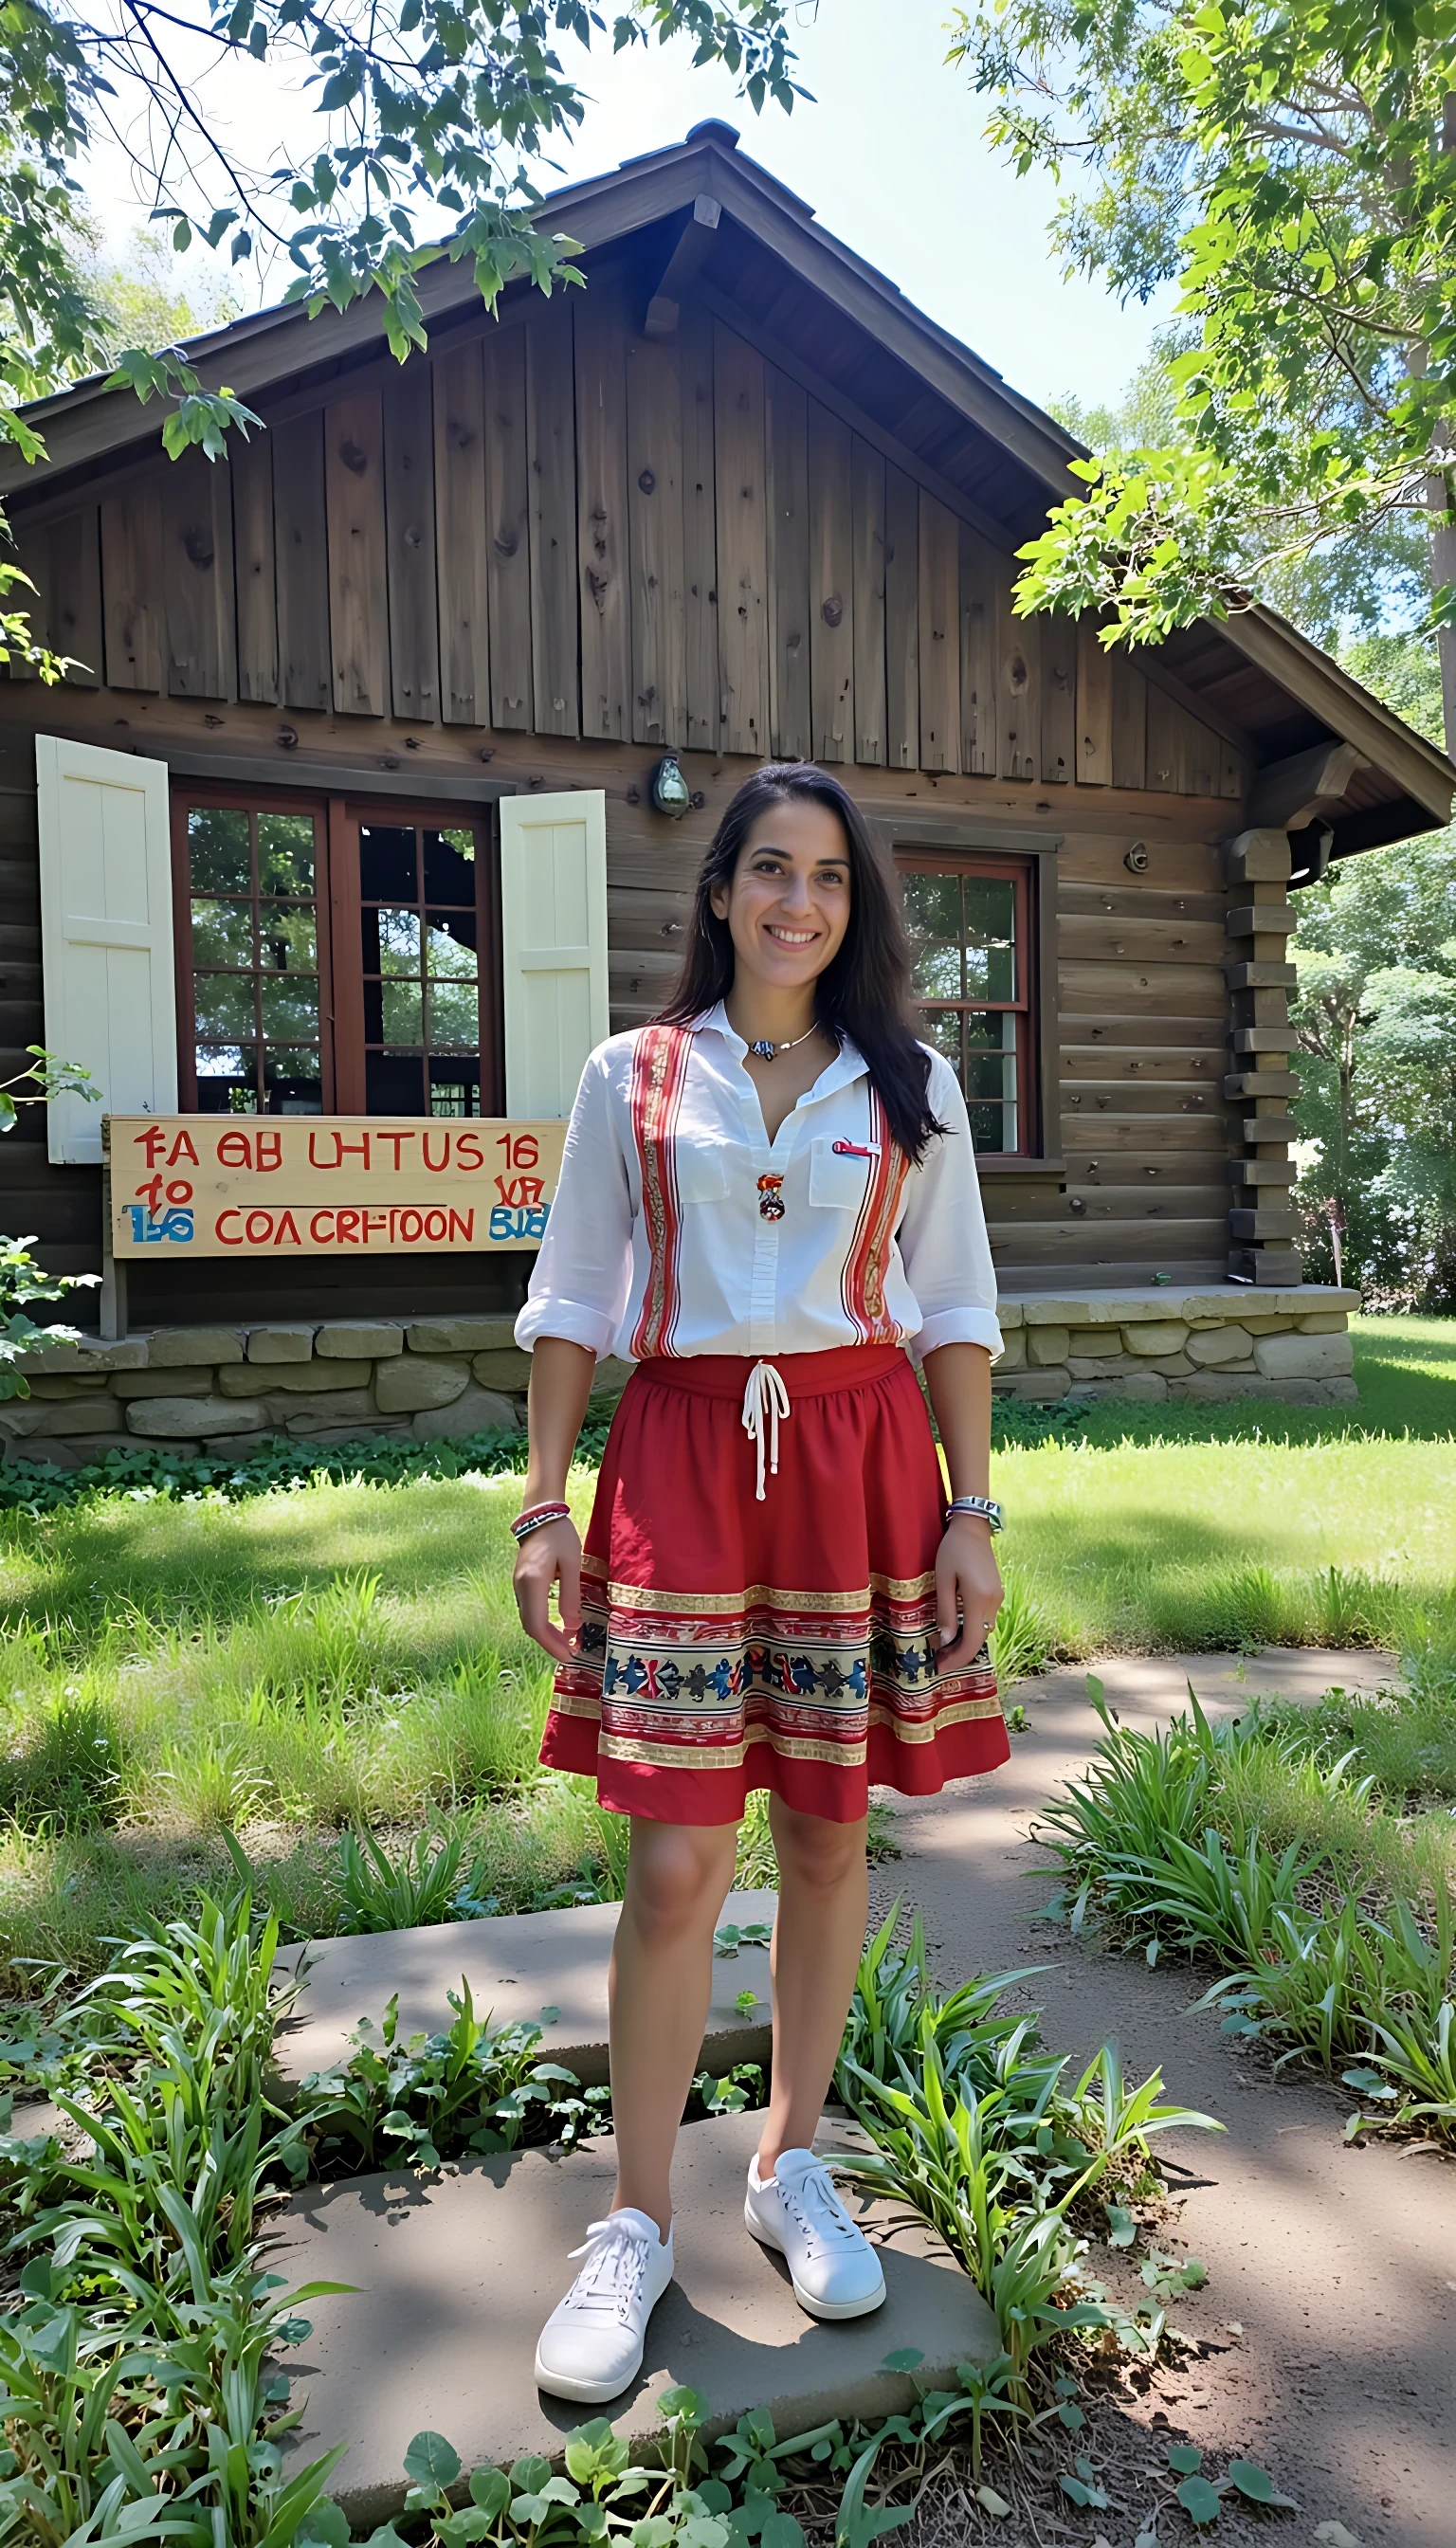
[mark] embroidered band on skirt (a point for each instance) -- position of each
(729, 1644)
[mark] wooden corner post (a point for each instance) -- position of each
(1259, 920)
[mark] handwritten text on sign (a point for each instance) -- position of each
(327, 1185)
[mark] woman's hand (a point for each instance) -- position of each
(968, 1591)
(550, 1555)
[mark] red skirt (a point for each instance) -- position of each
(728, 1644)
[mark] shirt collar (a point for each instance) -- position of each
(848, 1065)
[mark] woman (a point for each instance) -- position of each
(765, 1196)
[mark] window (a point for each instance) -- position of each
(419, 951)
(329, 957)
(970, 924)
(253, 924)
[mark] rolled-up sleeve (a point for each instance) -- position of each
(584, 1269)
(942, 1235)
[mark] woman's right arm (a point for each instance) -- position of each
(561, 1383)
(575, 1305)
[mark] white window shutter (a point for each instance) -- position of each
(106, 936)
(553, 916)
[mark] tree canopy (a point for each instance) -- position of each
(1293, 171)
(430, 121)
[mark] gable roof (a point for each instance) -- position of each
(831, 319)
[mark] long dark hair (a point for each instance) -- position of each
(864, 993)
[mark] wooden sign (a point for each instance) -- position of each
(327, 1185)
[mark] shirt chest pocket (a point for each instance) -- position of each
(701, 1173)
(839, 1175)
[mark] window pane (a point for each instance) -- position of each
(225, 1079)
(288, 938)
(454, 1017)
(224, 1008)
(990, 926)
(449, 867)
(290, 1008)
(291, 1077)
(387, 871)
(393, 1085)
(941, 1028)
(933, 906)
(455, 1086)
(217, 855)
(403, 1013)
(398, 941)
(991, 1079)
(286, 853)
(223, 933)
(450, 947)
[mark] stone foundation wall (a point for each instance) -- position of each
(1164, 1343)
(230, 1389)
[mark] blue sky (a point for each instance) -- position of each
(890, 155)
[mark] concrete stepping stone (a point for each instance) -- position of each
(516, 1965)
(455, 2273)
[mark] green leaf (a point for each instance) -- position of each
(1121, 2228)
(908, 2358)
(1258, 2486)
(431, 2462)
(1200, 2500)
(1184, 2459)
(490, 2487)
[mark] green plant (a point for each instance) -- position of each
(1022, 1640)
(434, 2097)
(420, 1887)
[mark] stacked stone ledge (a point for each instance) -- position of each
(230, 1389)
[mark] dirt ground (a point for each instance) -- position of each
(1331, 2268)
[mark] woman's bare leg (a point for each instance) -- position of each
(818, 1937)
(657, 1992)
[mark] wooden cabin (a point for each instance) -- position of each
(352, 803)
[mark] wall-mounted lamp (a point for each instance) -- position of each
(1137, 859)
(668, 788)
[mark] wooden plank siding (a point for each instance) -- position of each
(566, 528)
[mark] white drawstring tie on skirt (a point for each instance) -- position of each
(765, 1396)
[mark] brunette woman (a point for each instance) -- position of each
(769, 1201)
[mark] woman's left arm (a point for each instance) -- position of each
(968, 1589)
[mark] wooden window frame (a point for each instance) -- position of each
(928, 841)
(338, 905)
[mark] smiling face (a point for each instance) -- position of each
(788, 907)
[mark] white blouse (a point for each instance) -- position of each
(678, 1228)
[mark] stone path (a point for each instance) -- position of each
(456, 2273)
(516, 1965)
(1337, 2263)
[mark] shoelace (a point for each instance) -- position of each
(616, 2260)
(814, 2192)
(765, 1399)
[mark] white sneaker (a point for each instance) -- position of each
(835, 2270)
(590, 2346)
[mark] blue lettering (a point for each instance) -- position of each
(518, 1221)
(176, 1225)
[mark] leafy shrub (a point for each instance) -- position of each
(67, 1768)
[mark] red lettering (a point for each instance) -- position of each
(151, 1194)
(435, 1225)
(468, 1151)
(182, 1150)
(179, 1191)
(343, 1149)
(375, 1221)
(258, 1227)
(222, 1234)
(320, 1228)
(527, 1151)
(287, 1232)
(462, 1225)
(517, 1190)
(435, 1165)
(396, 1138)
(347, 1229)
(270, 1152)
(235, 1151)
(411, 1228)
(152, 1142)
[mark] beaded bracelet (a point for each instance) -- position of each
(983, 1507)
(536, 1517)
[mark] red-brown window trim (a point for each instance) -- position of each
(337, 904)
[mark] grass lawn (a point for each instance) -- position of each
(289, 1664)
